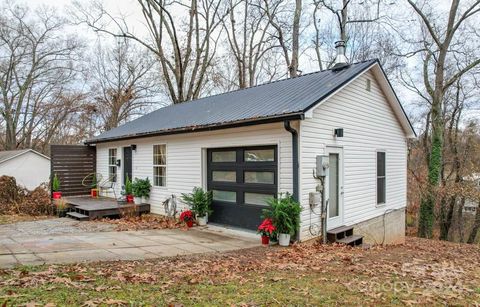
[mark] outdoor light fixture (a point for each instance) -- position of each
(118, 163)
(133, 147)
(338, 133)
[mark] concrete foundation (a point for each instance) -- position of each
(388, 228)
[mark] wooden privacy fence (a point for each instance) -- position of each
(72, 163)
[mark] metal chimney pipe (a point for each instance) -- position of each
(341, 59)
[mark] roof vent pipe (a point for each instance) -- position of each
(341, 59)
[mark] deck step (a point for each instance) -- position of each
(353, 240)
(333, 235)
(78, 216)
(340, 229)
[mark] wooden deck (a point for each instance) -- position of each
(87, 208)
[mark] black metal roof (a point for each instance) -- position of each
(270, 102)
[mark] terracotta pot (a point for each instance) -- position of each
(57, 195)
(265, 240)
(129, 198)
(189, 223)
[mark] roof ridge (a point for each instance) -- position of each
(262, 84)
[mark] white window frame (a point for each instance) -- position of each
(376, 178)
(114, 163)
(159, 165)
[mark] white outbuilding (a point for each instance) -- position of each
(29, 167)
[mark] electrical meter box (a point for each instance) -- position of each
(321, 166)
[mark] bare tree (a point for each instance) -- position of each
(122, 82)
(185, 50)
(441, 70)
(285, 21)
(36, 67)
(248, 38)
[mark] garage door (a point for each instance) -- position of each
(241, 179)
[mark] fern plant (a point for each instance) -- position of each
(200, 201)
(284, 211)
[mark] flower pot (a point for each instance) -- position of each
(284, 239)
(93, 193)
(189, 223)
(144, 200)
(57, 195)
(62, 213)
(137, 200)
(202, 220)
(129, 198)
(265, 240)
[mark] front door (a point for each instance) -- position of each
(127, 164)
(241, 180)
(335, 187)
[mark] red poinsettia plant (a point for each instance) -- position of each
(266, 228)
(186, 216)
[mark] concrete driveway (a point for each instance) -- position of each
(20, 248)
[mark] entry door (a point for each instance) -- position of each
(127, 163)
(241, 179)
(335, 187)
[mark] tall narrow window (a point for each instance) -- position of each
(112, 164)
(381, 178)
(159, 165)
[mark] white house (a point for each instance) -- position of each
(253, 143)
(29, 167)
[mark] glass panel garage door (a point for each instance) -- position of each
(241, 179)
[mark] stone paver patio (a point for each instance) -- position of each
(38, 246)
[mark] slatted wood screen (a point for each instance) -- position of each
(72, 163)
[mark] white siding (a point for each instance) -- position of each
(29, 169)
(185, 157)
(369, 125)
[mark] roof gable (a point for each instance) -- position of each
(12, 154)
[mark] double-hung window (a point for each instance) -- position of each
(112, 164)
(381, 178)
(160, 165)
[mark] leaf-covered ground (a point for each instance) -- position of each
(421, 271)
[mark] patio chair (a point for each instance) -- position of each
(108, 185)
(92, 181)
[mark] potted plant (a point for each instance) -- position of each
(61, 207)
(145, 187)
(266, 229)
(187, 217)
(94, 189)
(56, 194)
(285, 214)
(137, 191)
(200, 202)
(128, 190)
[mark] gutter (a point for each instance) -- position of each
(295, 164)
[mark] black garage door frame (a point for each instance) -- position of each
(240, 214)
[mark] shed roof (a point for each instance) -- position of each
(10, 154)
(270, 102)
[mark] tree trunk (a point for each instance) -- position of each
(476, 227)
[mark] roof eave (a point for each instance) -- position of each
(211, 127)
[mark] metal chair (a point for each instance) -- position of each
(107, 185)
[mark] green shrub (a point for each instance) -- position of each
(128, 186)
(200, 201)
(285, 213)
(141, 187)
(55, 183)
